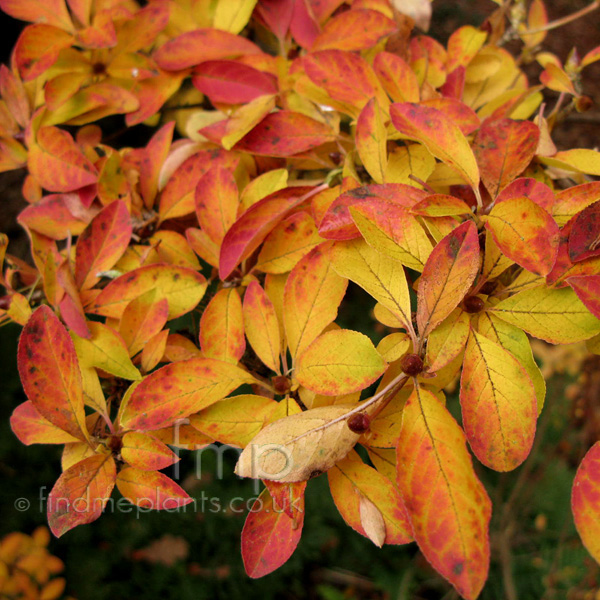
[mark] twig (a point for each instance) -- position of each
(564, 20)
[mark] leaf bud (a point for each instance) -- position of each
(412, 364)
(281, 384)
(359, 423)
(473, 304)
(583, 103)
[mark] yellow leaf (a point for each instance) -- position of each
(381, 277)
(245, 118)
(580, 160)
(393, 346)
(339, 362)
(447, 340)
(514, 340)
(371, 140)
(233, 15)
(262, 186)
(412, 159)
(554, 315)
(299, 446)
(498, 404)
(105, 350)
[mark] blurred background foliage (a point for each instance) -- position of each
(194, 554)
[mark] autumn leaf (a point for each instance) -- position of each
(439, 134)
(285, 133)
(102, 243)
(339, 362)
(222, 327)
(587, 290)
(585, 503)
(371, 140)
(178, 390)
(50, 374)
(525, 233)
(352, 482)
(354, 30)
(183, 288)
(249, 231)
(448, 274)
(261, 325)
(503, 148)
(81, 493)
(31, 428)
(298, 447)
(397, 78)
(38, 48)
(151, 489)
(313, 292)
(434, 466)
(145, 452)
(498, 404)
(447, 340)
(269, 536)
(584, 239)
(554, 315)
(381, 277)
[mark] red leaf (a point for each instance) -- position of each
(303, 26)
(584, 241)
(248, 232)
(154, 155)
(197, 46)
(585, 501)
(503, 149)
(102, 243)
(50, 372)
(81, 493)
(269, 536)
(536, 191)
(397, 78)
(277, 15)
(285, 133)
(230, 82)
(588, 290)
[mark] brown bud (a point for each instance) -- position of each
(473, 304)
(359, 423)
(281, 384)
(488, 287)
(412, 364)
(583, 103)
(115, 443)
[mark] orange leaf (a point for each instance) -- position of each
(57, 163)
(143, 318)
(285, 133)
(52, 12)
(222, 327)
(249, 231)
(350, 479)
(442, 137)
(525, 233)
(102, 243)
(31, 428)
(151, 489)
(498, 403)
(345, 76)
(183, 288)
(585, 501)
(448, 274)
(588, 291)
(397, 78)
(81, 493)
(50, 373)
(38, 48)
(354, 30)
(217, 202)
(145, 452)
(177, 197)
(197, 46)
(292, 239)
(269, 536)
(313, 292)
(529, 187)
(371, 140)
(179, 390)
(154, 155)
(154, 350)
(503, 149)
(573, 200)
(262, 328)
(435, 470)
